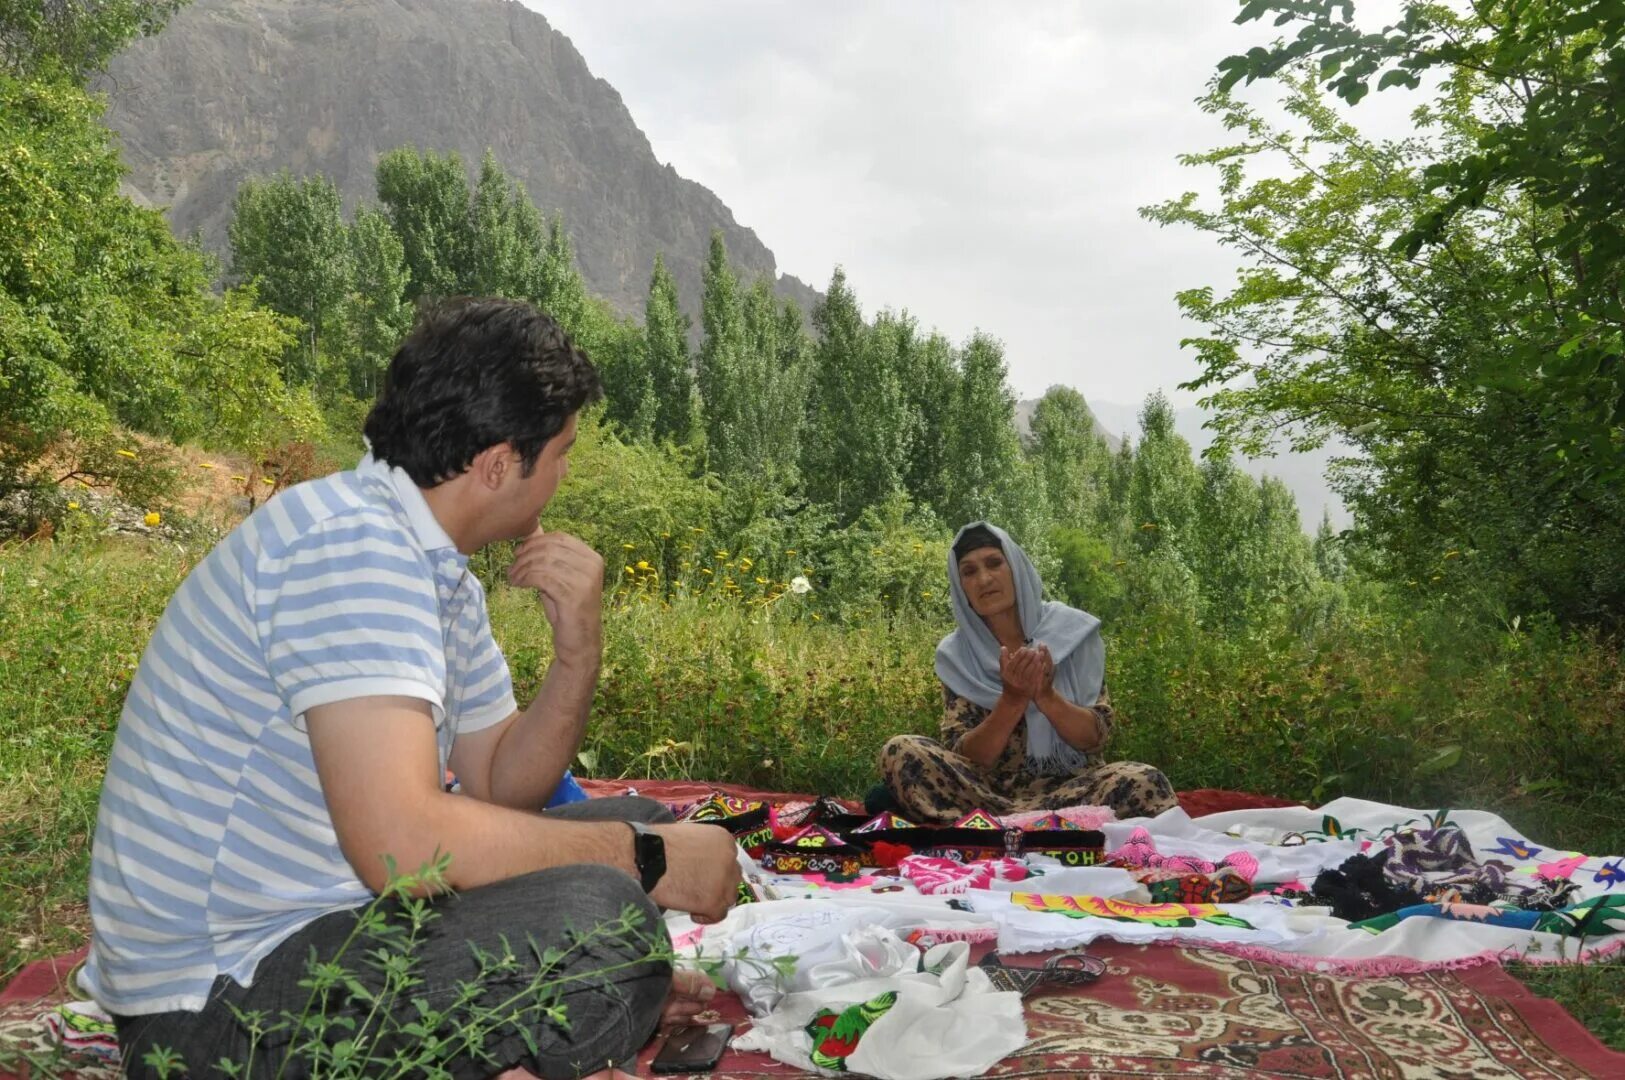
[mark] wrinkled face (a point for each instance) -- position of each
(989, 584)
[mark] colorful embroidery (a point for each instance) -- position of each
(1100, 907)
(1517, 849)
(1610, 874)
(978, 819)
(835, 1036)
(883, 823)
(1560, 868)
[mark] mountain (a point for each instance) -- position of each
(239, 88)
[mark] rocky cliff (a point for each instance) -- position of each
(236, 88)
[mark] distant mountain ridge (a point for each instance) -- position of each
(237, 88)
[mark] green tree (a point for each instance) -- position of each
(559, 290)
(1162, 490)
(1073, 459)
(857, 419)
(426, 198)
(720, 372)
(105, 318)
(930, 380)
(378, 314)
(505, 244)
(984, 452)
(665, 329)
(1546, 85)
(74, 38)
(1421, 361)
(289, 241)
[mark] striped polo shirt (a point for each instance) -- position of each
(213, 842)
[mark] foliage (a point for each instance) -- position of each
(1448, 303)
(105, 319)
(74, 39)
(1421, 362)
(1548, 81)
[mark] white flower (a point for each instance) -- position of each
(799, 584)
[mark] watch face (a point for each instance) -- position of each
(650, 854)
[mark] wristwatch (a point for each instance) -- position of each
(649, 853)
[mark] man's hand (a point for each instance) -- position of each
(569, 577)
(702, 871)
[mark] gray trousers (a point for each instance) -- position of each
(607, 1019)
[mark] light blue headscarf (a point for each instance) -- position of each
(968, 658)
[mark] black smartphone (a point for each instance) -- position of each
(693, 1048)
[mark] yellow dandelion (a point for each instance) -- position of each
(125, 453)
(695, 529)
(152, 517)
(235, 476)
(745, 564)
(628, 547)
(629, 570)
(665, 536)
(268, 480)
(927, 594)
(207, 465)
(761, 581)
(706, 570)
(73, 506)
(643, 564)
(789, 551)
(816, 618)
(722, 554)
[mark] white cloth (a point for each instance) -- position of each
(1024, 930)
(1175, 833)
(947, 1021)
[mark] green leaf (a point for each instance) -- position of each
(1445, 757)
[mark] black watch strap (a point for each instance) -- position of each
(648, 854)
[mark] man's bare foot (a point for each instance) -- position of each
(691, 994)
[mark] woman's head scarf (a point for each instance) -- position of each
(968, 658)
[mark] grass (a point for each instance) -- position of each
(763, 690)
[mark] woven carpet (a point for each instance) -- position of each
(1164, 1011)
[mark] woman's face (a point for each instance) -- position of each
(989, 585)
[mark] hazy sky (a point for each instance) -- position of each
(980, 164)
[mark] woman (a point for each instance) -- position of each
(1025, 703)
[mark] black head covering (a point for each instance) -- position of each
(974, 538)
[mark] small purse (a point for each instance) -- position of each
(1067, 969)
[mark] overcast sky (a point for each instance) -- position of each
(978, 163)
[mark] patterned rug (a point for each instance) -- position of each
(1162, 1011)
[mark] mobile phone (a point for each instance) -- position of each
(693, 1048)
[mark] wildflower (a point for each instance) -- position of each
(665, 536)
(800, 585)
(628, 547)
(706, 570)
(629, 570)
(695, 529)
(745, 564)
(1452, 554)
(722, 554)
(73, 506)
(789, 551)
(816, 618)
(643, 564)
(206, 465)
(761, 581)
(234, 476)
(927, 594)
(268, 480)
(125, 453)
(152, 517)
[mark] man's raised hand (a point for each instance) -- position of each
(569, 577)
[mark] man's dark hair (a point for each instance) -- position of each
(474, 373)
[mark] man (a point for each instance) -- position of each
(286, 734)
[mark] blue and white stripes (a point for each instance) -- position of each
(213, 842)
